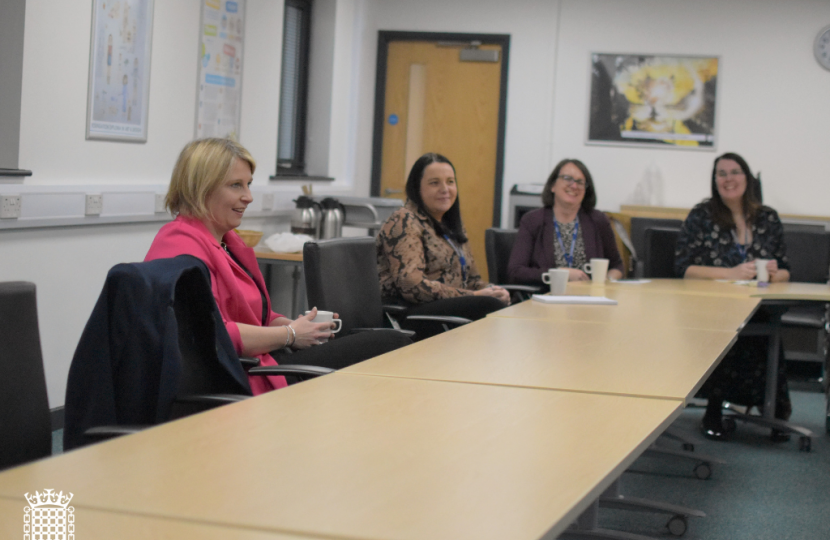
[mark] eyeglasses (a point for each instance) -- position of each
(733, 172)
(570, 180)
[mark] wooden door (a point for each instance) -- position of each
(434, 102)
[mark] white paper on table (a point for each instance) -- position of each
(631, 281)
(562, 299)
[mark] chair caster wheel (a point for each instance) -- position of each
(805, 444)
(729, 425)
(677, 525)
(703, 470)
(689, 447)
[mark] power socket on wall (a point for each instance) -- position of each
(94, 205)
(267, 202)
(10, 206)
(160, 206)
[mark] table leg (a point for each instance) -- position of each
(772, 364)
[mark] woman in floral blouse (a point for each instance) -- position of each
(424, 259)
(720, 239)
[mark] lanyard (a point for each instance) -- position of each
(569, 257)
(741, 247)
(461, 258)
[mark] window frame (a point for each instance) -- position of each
(296, 165)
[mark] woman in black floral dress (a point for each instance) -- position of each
(720, 239)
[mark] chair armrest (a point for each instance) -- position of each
(407, 333)
(211, 399)
(448, 319)
(248, 362)
(102, 433)
(298, 371)
(393, 309)
(522, 288)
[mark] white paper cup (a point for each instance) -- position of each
(557, 278)
(598, 270)
(761, 269)
(327, 316)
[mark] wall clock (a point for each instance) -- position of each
(821, 47)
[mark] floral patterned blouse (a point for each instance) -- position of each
(417, 265)
(703, 243)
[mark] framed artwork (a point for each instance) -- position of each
(221, 46)
(119, 70)
(656, 101)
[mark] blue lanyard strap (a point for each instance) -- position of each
(460, 257)
(741, 247)
(569, 257)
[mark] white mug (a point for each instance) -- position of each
(598, 269)
(761, 269)
(327, 316)
(557, 278)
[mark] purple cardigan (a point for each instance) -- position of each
(533, 250)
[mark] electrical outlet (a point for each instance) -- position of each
(94, 205)
(267, 202)
(160, 207)
(10, 206)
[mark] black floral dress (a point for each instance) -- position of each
(741, 375)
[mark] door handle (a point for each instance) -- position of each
(388, 191)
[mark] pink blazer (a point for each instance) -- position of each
(237, 295)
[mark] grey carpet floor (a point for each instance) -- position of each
(765, 491)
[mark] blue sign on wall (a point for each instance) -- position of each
(393, 119)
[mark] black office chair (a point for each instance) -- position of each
(639, 226)
(658, 254)
(24, 407)
(804, 328)
(498, 244)
(154, 349)
(341, 275)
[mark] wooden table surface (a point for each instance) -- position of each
(367, 457)
(650, 310)
(99, 524)
(669, 362)
(293, 257)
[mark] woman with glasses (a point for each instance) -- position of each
(567, 233)
(424, 259)
(720, 239)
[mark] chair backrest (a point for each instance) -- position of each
(809, 255)
(341, 275)
(498, 243)
(154, 334)
(639, 226)
(658, 258)
(25, 426)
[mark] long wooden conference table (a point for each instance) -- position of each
(509, 427)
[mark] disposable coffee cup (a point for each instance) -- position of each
(557, 278)
(762, 274)
(597, 269)
(327, 316)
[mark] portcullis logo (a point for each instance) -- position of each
(49, 516)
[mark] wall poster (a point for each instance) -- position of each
(119, 70)
(653, 101)
(220, 68)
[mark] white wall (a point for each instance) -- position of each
(773, 101)
(773, 97)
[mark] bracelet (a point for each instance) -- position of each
(287, 336)
(293, 336)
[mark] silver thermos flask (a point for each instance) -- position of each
(306, 217)
(334, 214)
